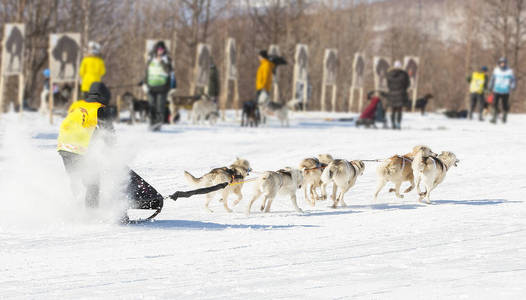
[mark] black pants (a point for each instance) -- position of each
(476, 99)
(80, 171)
(396, 117)
(501, 100)
(157, 102)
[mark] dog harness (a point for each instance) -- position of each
(404, 160)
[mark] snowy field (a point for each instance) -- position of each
(471, 244)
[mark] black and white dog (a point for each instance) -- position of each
(134, 106)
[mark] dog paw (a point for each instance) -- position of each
(401, 196)
(262, 208)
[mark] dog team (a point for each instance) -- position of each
(421, 168)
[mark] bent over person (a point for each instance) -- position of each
(84, 122)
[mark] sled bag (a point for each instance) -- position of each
(141, 195)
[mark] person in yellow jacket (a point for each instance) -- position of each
(84, 120)
(264, 74)
(478, 83)
(92, 68)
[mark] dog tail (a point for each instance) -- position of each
(191, 179)
(418, 162)
(328, 173)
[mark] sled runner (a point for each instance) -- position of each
(141, 195)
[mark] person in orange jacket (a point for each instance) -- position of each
(85, 119)
(264, 74)
(92, 68)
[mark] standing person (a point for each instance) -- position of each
(92, 68)
(213, 83)
(84, 123)
(264, 75)
(478, 83)
(397, 83)
(501, 84)
(157, 79)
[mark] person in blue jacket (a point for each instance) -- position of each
(501, 84)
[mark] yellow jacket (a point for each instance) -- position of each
(91, 70)
(264, 75)
(477, 83)
(77, 128)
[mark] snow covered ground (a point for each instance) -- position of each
(471, 244)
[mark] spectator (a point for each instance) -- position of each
(478, 83)
(397, 83)
(264, 75)
(158, 70)
(213, 83)
(92, 68)
(501, 84)
(373, 112)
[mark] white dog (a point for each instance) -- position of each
(236, 173)
(431, 171)
(270, 108)
(270, 184)
(343, 175)
(312, 168)
(397, 169)
(204, 110)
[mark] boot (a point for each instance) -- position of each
(504, 117)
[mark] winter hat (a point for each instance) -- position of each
(264, 54)
(93, 47)
(397, 64)
(484, 69)
(99, 92)
(503, 60)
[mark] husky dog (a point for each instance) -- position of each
(312, 168)
(397, 169)
(343, 175)
(431, 171)
(135, 106)
(270, 184)
(250, 114)
(279, 110)
(204, 110)
(236, 173)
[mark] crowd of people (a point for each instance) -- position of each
(486, 93)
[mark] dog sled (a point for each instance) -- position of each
(143, 196)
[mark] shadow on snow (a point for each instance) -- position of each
(188, 224)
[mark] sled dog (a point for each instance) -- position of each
(270, 108)
(397, 169)
(312, 168)
(134, 106)
(204, 110)
(270, 184)
(343, 175)
(431, 171)
(236, 173)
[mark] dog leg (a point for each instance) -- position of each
(379, 187)
(324, 191)
(333, 196)
(225, 194)
(342, 194)
(268, 199)
(295, 203)
(209, 198)
(237, 192)
(254, 198)
(305, 188)
(411, 187)
(397, 190)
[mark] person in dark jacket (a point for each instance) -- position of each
(86, 120)
(158, 70)
(213, 83)
(397, 83)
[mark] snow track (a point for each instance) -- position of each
(470, 244)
